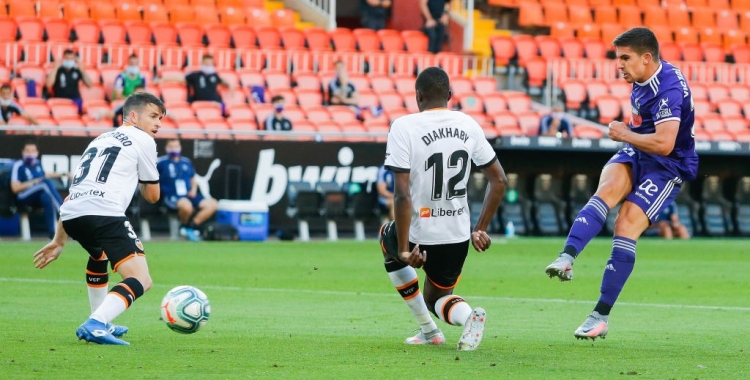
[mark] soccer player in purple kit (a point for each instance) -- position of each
(645, 175)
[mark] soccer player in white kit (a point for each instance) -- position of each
(112, 166)
(429, 154)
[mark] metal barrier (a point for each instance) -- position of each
(322, 12)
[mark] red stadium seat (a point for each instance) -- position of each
(155, 13)
(391, 41)
(503, 49)
(575, 94)
(58, 30)
(494, 103)
(415, 41)
(258, 18)
(471, 103)
(735, 123)
(128, 11)
(309, 98)
(232, 15)
(517, 101)
(739, 92)
(608, 108)
(268, 37)
(164, 34)
(317, 39)
(292, 39)
(485, 85)
(391, 101)
(219, 36)
(343, 40)
(189, 34)
(243, 37)
(368, 42)
(549, 47)
(31, 29)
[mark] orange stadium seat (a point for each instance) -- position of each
(103, 11)
(241, 112)
(686, 36)
(461, 85)
(678, 18)
(315, 113)
(292, 39)
(554, 12)
(258, 17)
(529, 122)
(232, 15)
(414, 41)
(181, 13)
(381, 83)
(741, 5)
(572, 48)
(359, 81)
(317, 39)
(95, 92)
(391, 42)
(206, 15)
(58, 30)
(485, 85)
(31, 29)
(114, 32)
(268, 37)
(341, 114)
(219, 36)
(517, 102)
(155, 13)
(243, 37)
(727, 19)
(62, 108)
(589, 31)
(713, 53)
(526, 48)
(710, 35)
(283, 18)
(562, 30)
(128, 11)
(670, 51)
(605, 15)
(494, 103)
(391, 101)
(608, 108)
(549, 47)
(164, 34)
(503, 49)
(309, 98)
(729, 107)
(367, 42)
(629, 14)
(343, 39)
(587, 132)
(536, 71)
(579, 14)
(594, 90)
(734, 37)
(173, 94)
(735, 123)
(76, 10)
(692, 52)
(22, 9)
(180, 112)
(189, 34)
(610, 31)
(739, 92)
(307, 81)
(202, 3)
(575, 93)
(8, 29)
(240, 3)
(620, 89)
(530, 14)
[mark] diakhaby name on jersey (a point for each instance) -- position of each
(119, 136)
(442, 133)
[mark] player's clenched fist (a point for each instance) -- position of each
(480, 240)
(415, 258)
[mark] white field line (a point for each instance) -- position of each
(340, 293)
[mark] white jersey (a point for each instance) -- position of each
(434, 147)
(107, 176)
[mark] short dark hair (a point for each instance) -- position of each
(207, 56)
(276, 98)
(5, 86)
(640, 40)
(433, 83)
(132, 56)
(28, 142)
(137, 100)
(68, 51)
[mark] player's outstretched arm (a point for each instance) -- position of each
(497, 181)
(53, 249)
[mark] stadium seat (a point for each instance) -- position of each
(572, 48)
(549, 47)
(471, 103)
(306, 81)
(391, 101)
(95, 92)
(164, 34)
(128, 11)
(58, 30)
(517, 102)
(562, 30)
(391, 40)
(240, 112)
(530, 14)
(179, 112)
(22, 9)
(734, 38)
(112, 31)
(735, 123)
(589, 31)
(528, 121)
(608, 108)
(31, 71)
(62, 108)
(283, 18)
(381, 83)
(713, 53)
(494, 103)
(485, 85)
(575, 94)
(243, 37)
(206, 110)
(414, 41)
(218, 36)
(31, 29)
(258, 18)
(268, 37)
(341, 114)
(587, 132)
(231, 15)
(605, 15)
(343, 40)
(309, 98)
(173, 94)
(526, 48)
(739, 92)
(594, 90)
(189, 35)
(503, 49)
(292, 39)
(717, 92)
(729, 107)
(404, 84)
(536, 72)
(367, 42)
(317, 39)
(206, 15)
(726, 19)
(76, 10)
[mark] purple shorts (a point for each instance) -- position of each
(654, 186)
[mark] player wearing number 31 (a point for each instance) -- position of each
(429, 154)
(645, 175)
(94, 215)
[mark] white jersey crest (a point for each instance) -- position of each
(107, 176)
(435, 148)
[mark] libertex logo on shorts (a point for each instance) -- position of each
(426, 212)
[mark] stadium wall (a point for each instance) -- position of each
(261, 170)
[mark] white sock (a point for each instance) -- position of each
(452, 309)
(112, 306)
(96, 296)
(406, 281)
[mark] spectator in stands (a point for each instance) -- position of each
(277, 121)
(436, 18)
(8, 106)
(180, 192)
(375, 13)
(555, 123)
(668, 224)
(203, 84)
(341, 91)
(130, 79)
(32, 186)
(64, 80)
(386, 188)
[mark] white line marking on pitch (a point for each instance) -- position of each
(340, 293)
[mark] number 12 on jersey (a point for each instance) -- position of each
(458, 159)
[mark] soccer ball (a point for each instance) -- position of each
(185, 309)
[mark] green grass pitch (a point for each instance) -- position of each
(327, 311)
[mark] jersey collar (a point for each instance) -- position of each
(648, 81)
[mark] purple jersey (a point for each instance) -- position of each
(664, 97)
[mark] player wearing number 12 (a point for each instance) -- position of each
(111, 168)
(429, 154)
(645, 175)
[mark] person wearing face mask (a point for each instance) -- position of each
(203, 84)
(129, 80)
(277, 121)
(32, 186)
(9, 107)
(180, 192)
(555, 123)
(64, 80)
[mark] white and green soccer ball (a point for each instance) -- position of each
(185, 309)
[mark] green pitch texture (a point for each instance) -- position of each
(328, 311)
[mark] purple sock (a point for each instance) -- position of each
(587, 224)
(618, 269)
